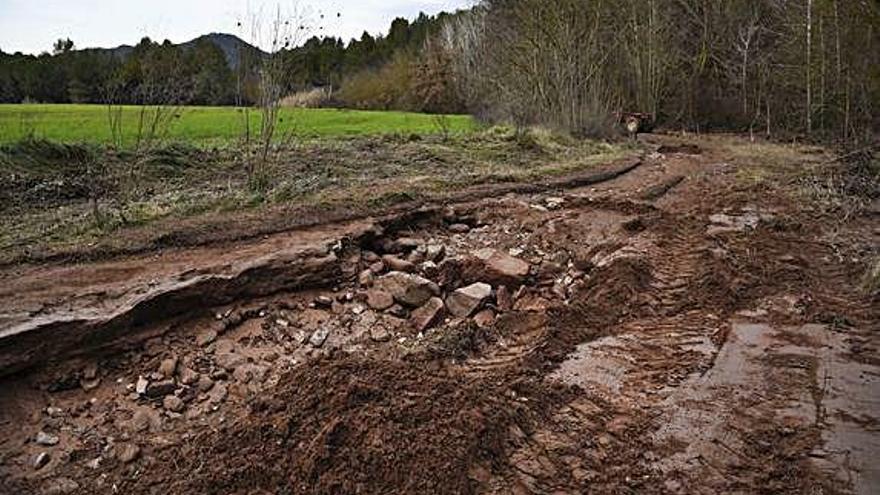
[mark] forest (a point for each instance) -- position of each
(772, 66)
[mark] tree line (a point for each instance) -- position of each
(198, 73)
(795, 66)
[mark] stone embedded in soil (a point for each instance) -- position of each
(378, 267)
(459, 228)
(485, 318)
(319, 336)
(204, 384)
(398, 311)
(41, 459)
(60, 486)
(160, 389)
(141, 385)
(46, 439)
(465, 301)
(188, 376)
(366, 278)
(218, 393)
(173, 403)
(500, 268)
(144, 419)
(435, 252)
(206, 337)
(168, 367)
(324, 301)
(89, 385)
(427, 315)
(503, 298)
(379, 299)
(531, 302)
(229, 360)
(128, 453)
(379, 333)
(408, 243)
(396, 264)
(90, 371)
(429, 269)
(408, 289)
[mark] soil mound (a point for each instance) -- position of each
(353, 425)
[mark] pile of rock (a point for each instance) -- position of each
(417, 281)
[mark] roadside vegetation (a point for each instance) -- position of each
(58, 197)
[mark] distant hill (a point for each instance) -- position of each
(232, 47)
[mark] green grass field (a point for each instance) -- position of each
(210, 125)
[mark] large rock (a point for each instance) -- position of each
(396, 264)
(465, 301)
(428, 315)
(379, 300)
(500, 268)
(408, 289)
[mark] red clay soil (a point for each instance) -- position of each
(678, 333)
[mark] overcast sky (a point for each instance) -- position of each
(31, 26)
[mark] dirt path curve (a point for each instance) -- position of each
(679, 330)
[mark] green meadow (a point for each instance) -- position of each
(213, 125)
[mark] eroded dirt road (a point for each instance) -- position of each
(671, 330)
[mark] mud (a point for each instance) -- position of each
(676, 333)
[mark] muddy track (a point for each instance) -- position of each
(673, 333)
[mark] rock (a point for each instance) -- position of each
(229, 360)
(144, 419)
(41, 459)
(408, 289)
(459, 228)
(463, 302)
(532, 303)
(173, 403)
(435, 252)
(408, 243)
(188, 376)
(416, 257)
(366, 278)
(503, 298)
(554, 203)
(379, 299)
(141, 385)
(218, 393)
(549, 270)
(427, 315)
(94, 464)
(396, 264)
(204, 384)
(319, 336)
(324, 301)
(398, 311)
(206, 337)
(54, 412)
(379, 333)
(127, 453)
(168, 367)
(46, 439)
(370, 257)
(160, 389)
(429, 269)
(500, 268)
(377, 267)
(90, 372)
(60, 486)
(485, 318)
(89, 385)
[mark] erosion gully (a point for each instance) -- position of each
(652, 328)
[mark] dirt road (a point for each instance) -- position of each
(686, 326)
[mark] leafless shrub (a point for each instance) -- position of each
(278, 33)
